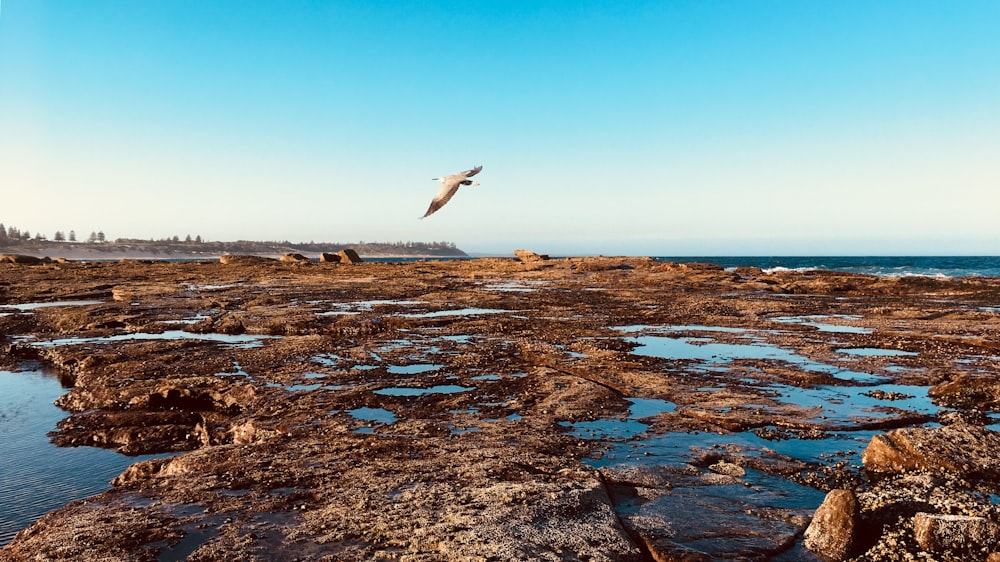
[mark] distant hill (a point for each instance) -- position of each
(173, 249)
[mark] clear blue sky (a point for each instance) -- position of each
(657, 128)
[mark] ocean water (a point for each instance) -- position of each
(892, 266)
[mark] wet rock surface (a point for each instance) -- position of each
(599, 408)
(833, 528)
(961, 449)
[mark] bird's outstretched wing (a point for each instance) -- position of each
(443, 195)
(472, 172)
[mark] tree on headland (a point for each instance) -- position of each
(12, 236)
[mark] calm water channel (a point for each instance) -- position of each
(35, 475)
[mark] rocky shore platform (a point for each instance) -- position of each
(515, 409)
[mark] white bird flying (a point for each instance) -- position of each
(449, 185)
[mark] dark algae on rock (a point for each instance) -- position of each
(598, 408)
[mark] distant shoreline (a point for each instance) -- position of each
(215, 250)
(99, 255)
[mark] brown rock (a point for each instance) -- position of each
(833, 527)
(968, 391)
(243, 260)
(955, 533)
(529, 256)
(21, 259)
(348, 255)
(728, 469)
(959, 449)
(327, 257)
(292, 257)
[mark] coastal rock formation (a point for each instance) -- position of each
(591, 408)
(348, 255)
(327, 257)
(968, 391)
(528, 256)
(294, 258)
(964, 450)
(150, 416)
(833, 528)
(727, 468)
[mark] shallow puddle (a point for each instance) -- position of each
(192, 541)
(408, 391)
(712, 354)
(472, 311)
(628, 428)
(357, 307)
(188, 321)
(706, 349)
(724, 520)
(841, 415)
(36, 305)
(244, 341)
(301, 387)
(846, 405)
(816, 321)
(373, 415)
(414, 369)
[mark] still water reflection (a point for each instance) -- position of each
(35, 475)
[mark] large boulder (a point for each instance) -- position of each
(963, 450)
(833, 528)
(292, 257)
(348, 255)
(327, 257)
(528, 256)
